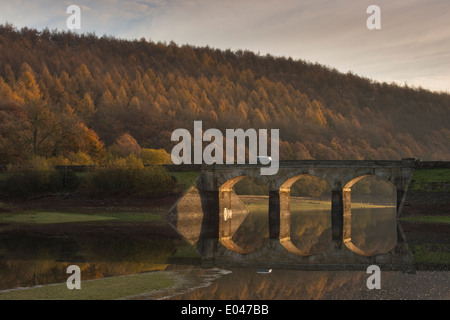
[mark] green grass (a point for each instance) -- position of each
(46, 217)
(427, 219)
(430, 180)
(134, 216)
(186, 250)
(49, 217)
(185, 179)
(100, 289)
(431, 253)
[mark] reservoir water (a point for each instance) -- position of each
(39, 255)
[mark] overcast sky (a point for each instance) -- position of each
(412, 47)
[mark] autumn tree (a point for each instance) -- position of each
(124, 146)
(42, 126)
(86, 108)
(155, 157)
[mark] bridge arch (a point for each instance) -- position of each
(286, 226)
(229, 184)
(288, 177)
(347, 214)
(232, 213)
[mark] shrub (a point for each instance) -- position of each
(80, 158)
(40, 164)
(150, 181)
(155, 157)
(33, 182)
(36, 179)
(59, 161)
(130, 162)
(65, 180)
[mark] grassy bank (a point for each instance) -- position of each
(436, 255)
(430, 180)
(99, 289)
(50, 217)
(429, 241)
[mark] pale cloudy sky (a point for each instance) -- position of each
(413, 45)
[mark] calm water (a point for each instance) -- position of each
(39, 254)
(39, 257)
(373, 229)
(247, 284)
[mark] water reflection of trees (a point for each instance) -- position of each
(311, 230)
(374, 230)
(254, 230)
(30, 259)
(244, 284)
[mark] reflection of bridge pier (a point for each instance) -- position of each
(210, 213)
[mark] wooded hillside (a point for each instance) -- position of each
(64, 95)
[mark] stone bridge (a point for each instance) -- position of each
(210, 212)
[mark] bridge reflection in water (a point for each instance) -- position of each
(209, 214)
(373, 226)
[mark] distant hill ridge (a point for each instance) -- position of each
(63, 93)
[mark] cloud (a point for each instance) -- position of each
(413, 43)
